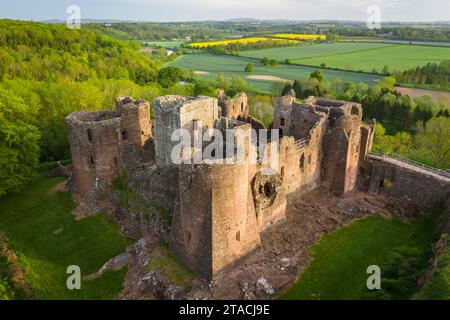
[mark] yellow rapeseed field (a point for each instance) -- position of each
(243, 40)
(300, 36)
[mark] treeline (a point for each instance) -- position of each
(439, 34)
(234, 48)
(44, 52)
(161, 31)
(432, 75)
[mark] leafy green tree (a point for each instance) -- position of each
(169, 76)
(19, 143)
(249, 67)
(434, 137)
(318, 74)
(204, 89)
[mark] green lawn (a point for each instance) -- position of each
(234, 66)
(340, 259)
(47, 239)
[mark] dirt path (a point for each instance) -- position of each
(200, 72)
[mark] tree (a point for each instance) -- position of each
(434, 137)
(249, 67)
(19, 143)
(265, 61)
(318, 74)
(201, 88)
(169, 76)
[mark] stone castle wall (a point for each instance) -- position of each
(94, 144)
(220, 209)
(399, 180)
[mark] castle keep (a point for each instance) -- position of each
(220, 208)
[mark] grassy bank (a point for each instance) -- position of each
(47, 239)
(340, 259)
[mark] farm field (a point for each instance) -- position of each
(208, 67)
(437, 96)
(378, 40)
(309, 51)
(357, 56)
(340, 259)
(241, 41)
(47, 239)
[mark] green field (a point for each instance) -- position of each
(47, 239)
(309, 51)
(357, 56)
(234, 66)
(340, 259)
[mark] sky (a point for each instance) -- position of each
(193, 10)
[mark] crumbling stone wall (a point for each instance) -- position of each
(233, 108)
(413, 186)
(282, 117)
(94, 145)
(135, 122)
(175, 112)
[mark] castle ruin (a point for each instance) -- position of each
(220, 208)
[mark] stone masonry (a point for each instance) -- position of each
(220, 207)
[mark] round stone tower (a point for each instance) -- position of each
(94, 138)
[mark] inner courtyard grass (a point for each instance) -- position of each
(47, 239)
(340, 259)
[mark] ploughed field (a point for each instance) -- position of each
(209, 67)
(357, 56)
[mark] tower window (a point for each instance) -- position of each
(242, 107)
(302, 162)
(238, 236)
(92, 160)
(282, 172)
(89, 135)
(282, 121)
(124, 135)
